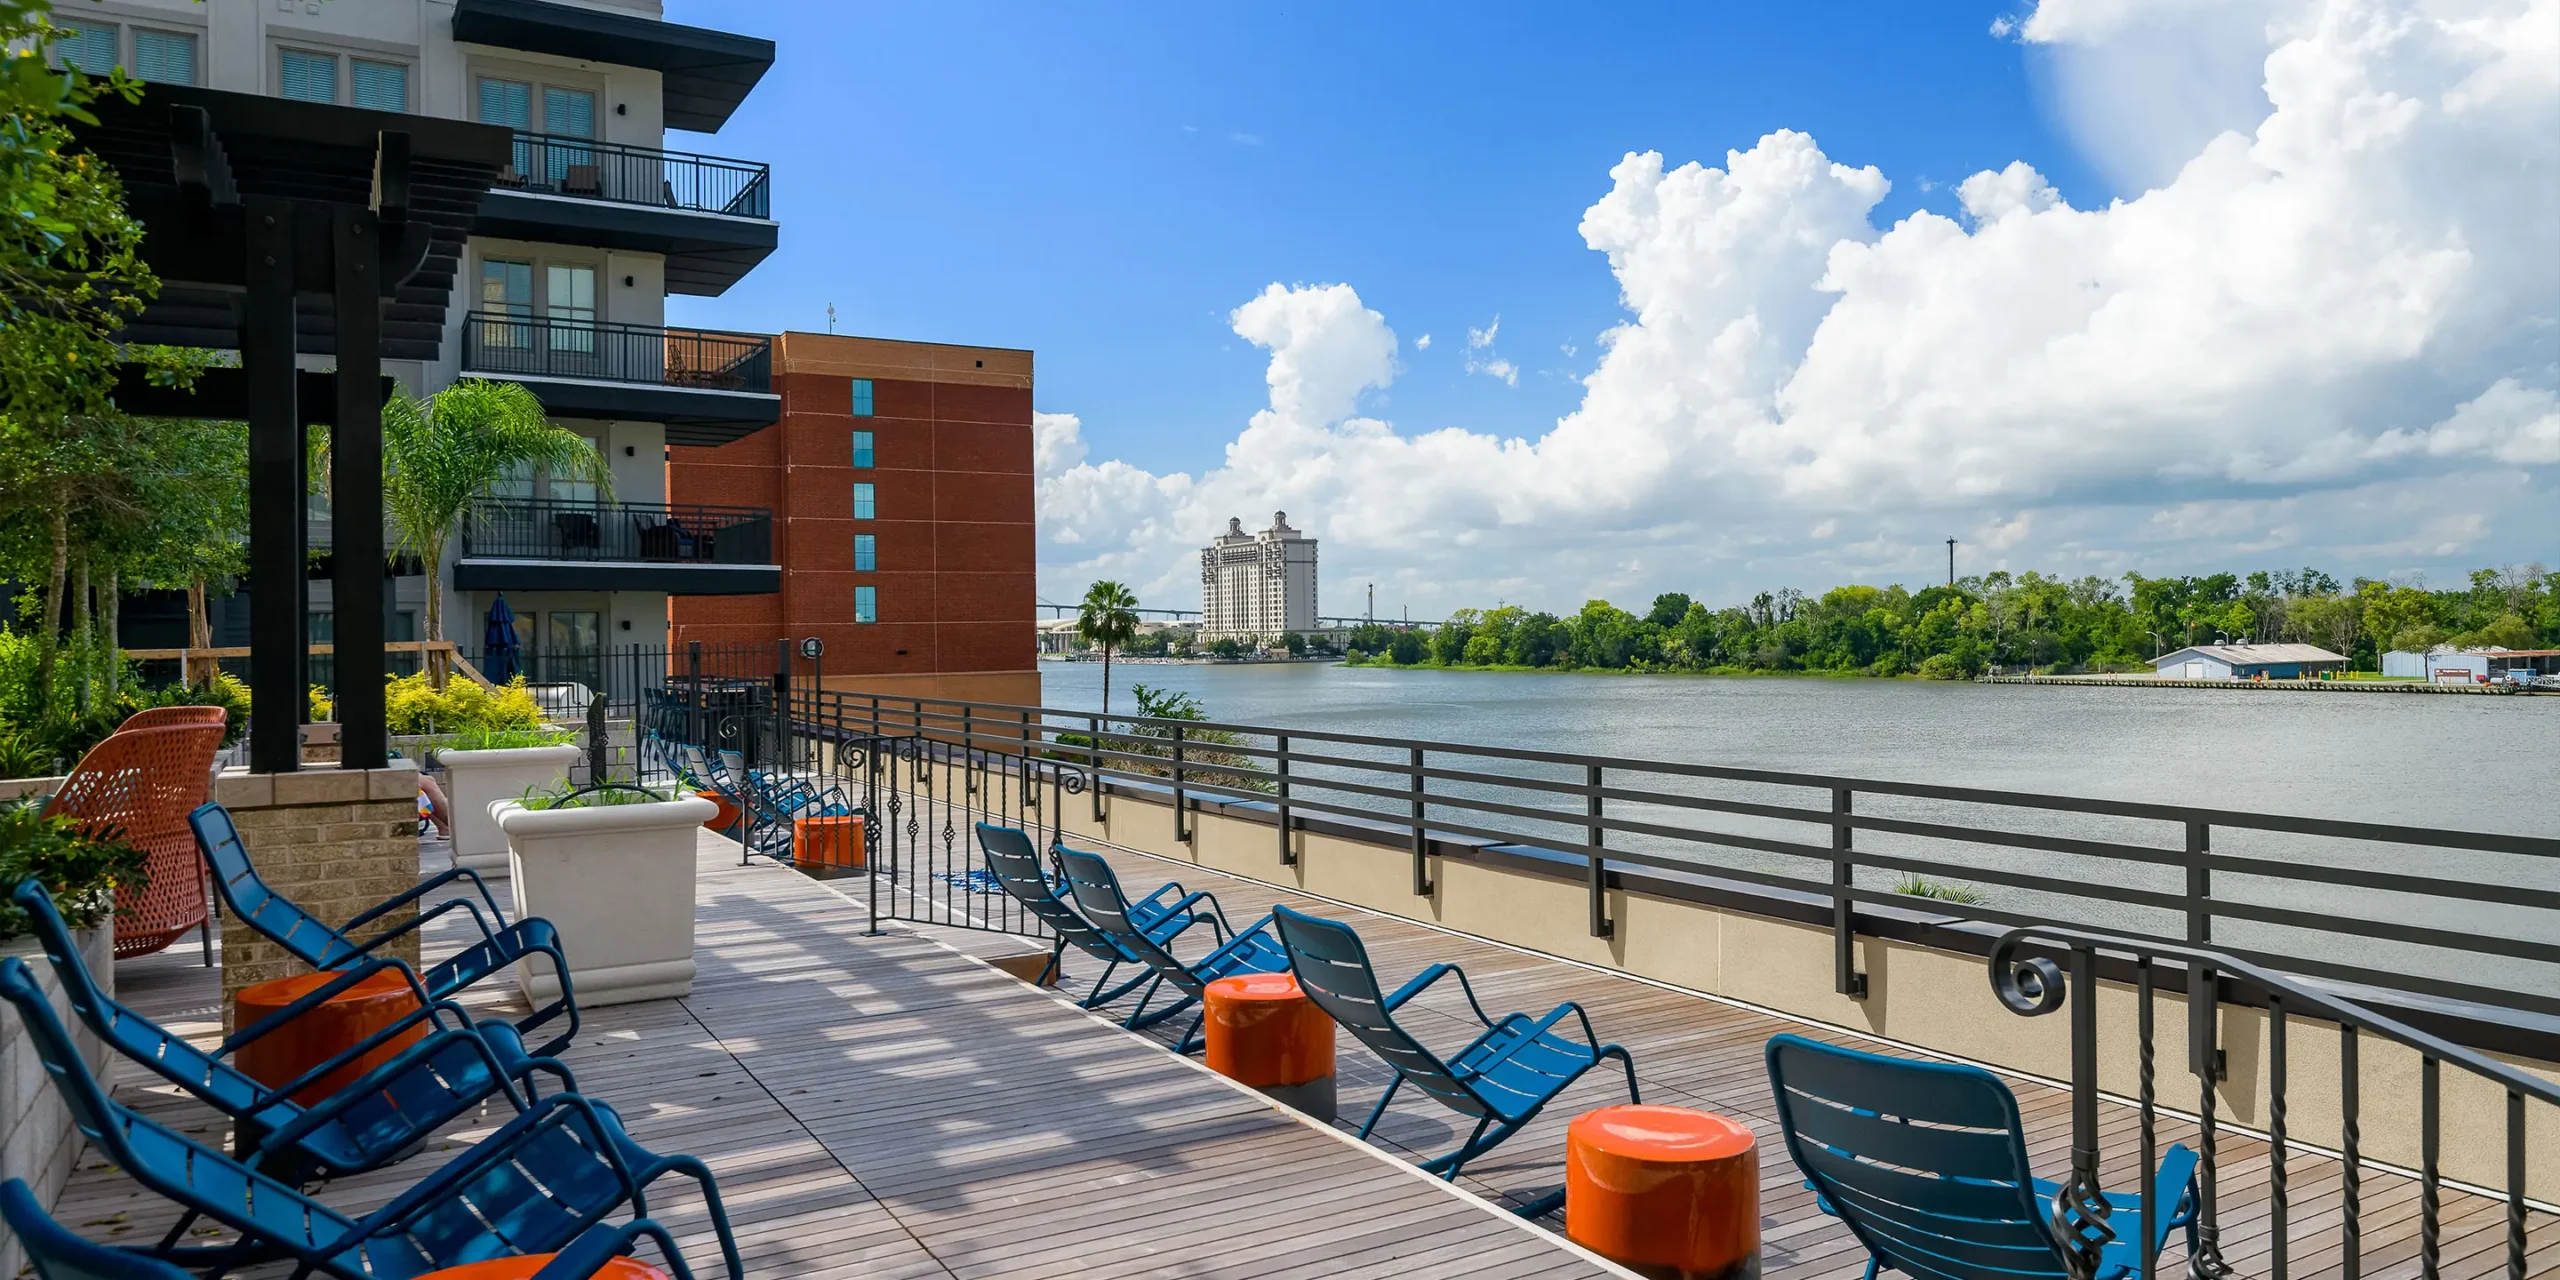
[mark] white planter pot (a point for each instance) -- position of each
(617, 881)
(475, 780)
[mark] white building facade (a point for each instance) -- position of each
(1258, 586)
(562, 285)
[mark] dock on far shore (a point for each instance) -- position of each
(2136, 680)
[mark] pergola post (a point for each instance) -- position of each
(279, 589)
(355, 470)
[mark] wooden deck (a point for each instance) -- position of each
(888, 1107)
(881, 1107)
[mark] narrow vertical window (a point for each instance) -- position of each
(862, 397)
(866, 553)
(862, 448)
(380, 86)
(510, 103)
(862, 501)
(308, 77)
(866, 604)
(164, 57)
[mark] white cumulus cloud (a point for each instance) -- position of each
(2328, 329)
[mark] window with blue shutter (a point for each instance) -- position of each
(164, 57)
(308, 77)
(866, 604)
(862, 448)
(863, 499)
(380, 86)
(88, 46)
(866, 553)
(862, 397)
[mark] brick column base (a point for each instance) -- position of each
(335, 841)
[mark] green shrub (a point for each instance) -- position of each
(1941, 666)
(82, 872)
(487, 739)
(411, 705)
(563, 796)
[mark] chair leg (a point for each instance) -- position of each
(1381, 1108)
(1476, 1144)
(204, 931)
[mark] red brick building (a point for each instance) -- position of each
(900, 483)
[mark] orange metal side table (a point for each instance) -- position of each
(324, 1031)
(827, 846)
(1667, 1191)
(1264, 1032)
(522, 1267)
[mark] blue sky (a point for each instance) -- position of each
(2097, 286)
(1105, 183)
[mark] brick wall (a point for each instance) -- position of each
(334, 841)
(951, 430)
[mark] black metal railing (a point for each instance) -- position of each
(2459, 915)
(2034, 985)
(642, 532)
(569, 347)
(2322, 898)
(556, 164)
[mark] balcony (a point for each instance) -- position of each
(711, 217)
(562, 545)
(708, 387)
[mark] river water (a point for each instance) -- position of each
(2475, 763)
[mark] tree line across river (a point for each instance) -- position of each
(1957, 631)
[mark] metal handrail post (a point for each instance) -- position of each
(1845, 977)
(1596, 866)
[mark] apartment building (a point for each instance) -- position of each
(900, 483)
(563, 284)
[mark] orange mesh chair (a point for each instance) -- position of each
(163, 717)
(143, 783)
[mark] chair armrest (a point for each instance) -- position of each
(1217, 915)
(420, 919)
(434, 1191)
(597, 1247)
(1237, 939)
(432, 884)
(1431, 975)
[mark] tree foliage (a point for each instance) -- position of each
(1108, 616)
(2000, 620)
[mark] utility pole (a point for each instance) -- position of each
(1372, 614)
(1951, 562)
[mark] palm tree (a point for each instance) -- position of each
(1108, 617)
(441, 454)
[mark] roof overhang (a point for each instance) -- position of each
(707, 73)
(705, 252)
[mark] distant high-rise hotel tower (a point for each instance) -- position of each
(1258, 585)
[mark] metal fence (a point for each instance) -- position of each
(571, 347)
(559, 165)
(656, 532)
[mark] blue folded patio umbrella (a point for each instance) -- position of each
(498, 643)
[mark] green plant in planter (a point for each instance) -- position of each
(81, 871)
(486, 738)
(566, 797)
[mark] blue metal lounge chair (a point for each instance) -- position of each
(1927, 1164)
(536, 1185)
(369, 1123)
(1015, 864)
(1251, 950)
(57, 1254)
(773, 803)
(306, 938)
(1502, 1078)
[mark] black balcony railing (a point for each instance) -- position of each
(568, 347)
(591, 170)
(655, 533)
